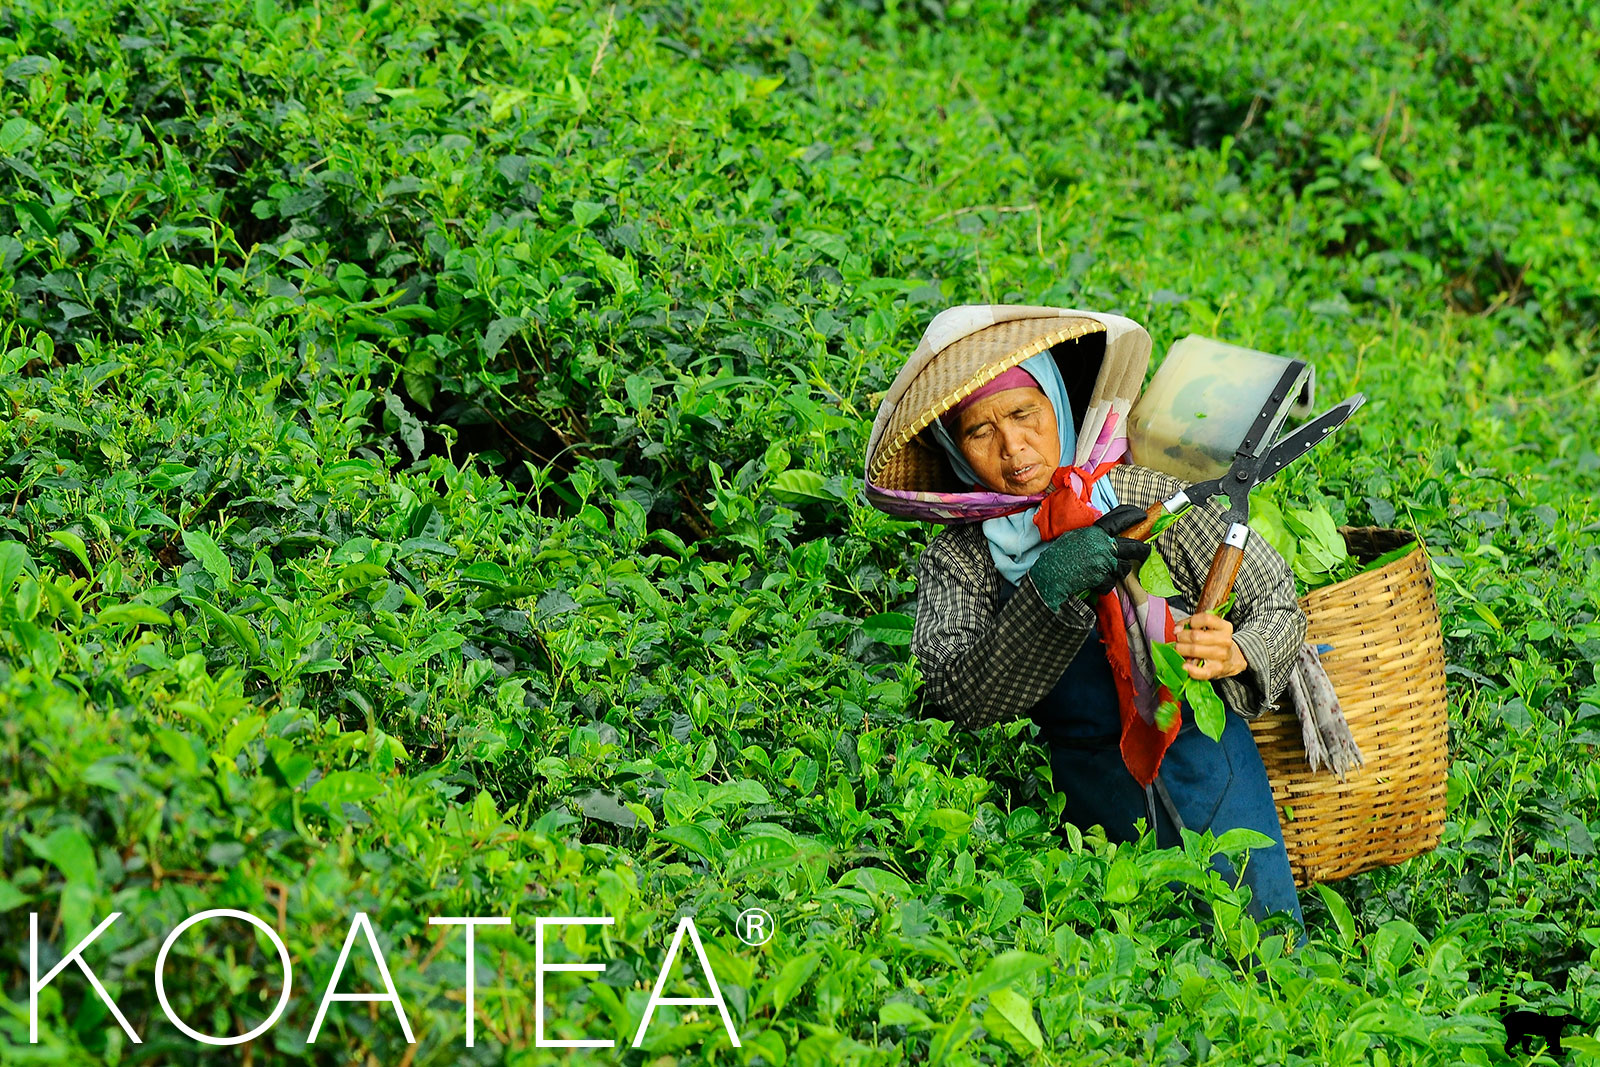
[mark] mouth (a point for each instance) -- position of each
(1024, 474)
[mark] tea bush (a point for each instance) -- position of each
(429, 486)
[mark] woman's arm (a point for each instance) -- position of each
(1268, 625)
(982, 666)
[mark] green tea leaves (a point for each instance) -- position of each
(1003, 971)
(1010, 1017)
(1123, 881)
(430, 458)
(1169, 665)
(344, 787)
(1209, 714)
(210, 556)
(796, 486)
(1266, 520)
(1163, 520)
(890, 627)
(1343, 921)
(1201, 696)
(74, 544)
(1155, 577)
(14, 561)
(141, 614)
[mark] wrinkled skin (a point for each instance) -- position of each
(1012, 441)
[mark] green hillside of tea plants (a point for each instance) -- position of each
(430, 451)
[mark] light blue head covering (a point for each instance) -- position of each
(1014, 540)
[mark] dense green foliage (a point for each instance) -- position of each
(429, 449)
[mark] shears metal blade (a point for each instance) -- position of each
(1252, 465)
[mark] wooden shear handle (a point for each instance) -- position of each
(1219, 579)
(1140, 531)
(1224, 569)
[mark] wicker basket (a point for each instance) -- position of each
(1387, 667)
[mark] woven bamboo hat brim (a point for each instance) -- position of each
(903, 461)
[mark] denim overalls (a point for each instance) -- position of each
(1215, 785)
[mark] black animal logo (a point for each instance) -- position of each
(1523, 1025)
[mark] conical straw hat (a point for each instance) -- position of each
(963, 349)
(958, 371)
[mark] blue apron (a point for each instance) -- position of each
(1203, 784)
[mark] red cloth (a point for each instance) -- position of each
(1068, 507)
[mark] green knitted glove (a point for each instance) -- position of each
(1077, 561)
(1090, 559)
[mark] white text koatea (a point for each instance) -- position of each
(389, 995)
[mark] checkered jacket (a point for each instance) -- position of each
(984, 663)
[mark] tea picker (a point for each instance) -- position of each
(1010, 388)
(1009, 424)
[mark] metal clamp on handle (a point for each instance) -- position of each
(1237, 533)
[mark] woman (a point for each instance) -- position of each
(1037, 610)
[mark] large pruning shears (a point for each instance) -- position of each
(1253, 464)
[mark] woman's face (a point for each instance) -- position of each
(1012, 441)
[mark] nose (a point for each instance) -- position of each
(1011, 440)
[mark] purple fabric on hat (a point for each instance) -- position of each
(1015, 378)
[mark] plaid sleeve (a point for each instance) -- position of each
(981, 665)
(1269, 626)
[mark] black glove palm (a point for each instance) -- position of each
(1131, 554)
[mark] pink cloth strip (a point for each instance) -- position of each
(1103, 447)
(1015, 378)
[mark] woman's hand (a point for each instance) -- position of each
(1088, 559)
(1209, 638)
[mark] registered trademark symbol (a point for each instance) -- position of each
(755, 926)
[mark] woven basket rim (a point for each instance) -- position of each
(1387, 665)
(1393, 567)
(1411, 536)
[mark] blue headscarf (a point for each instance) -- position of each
(1014, 540)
